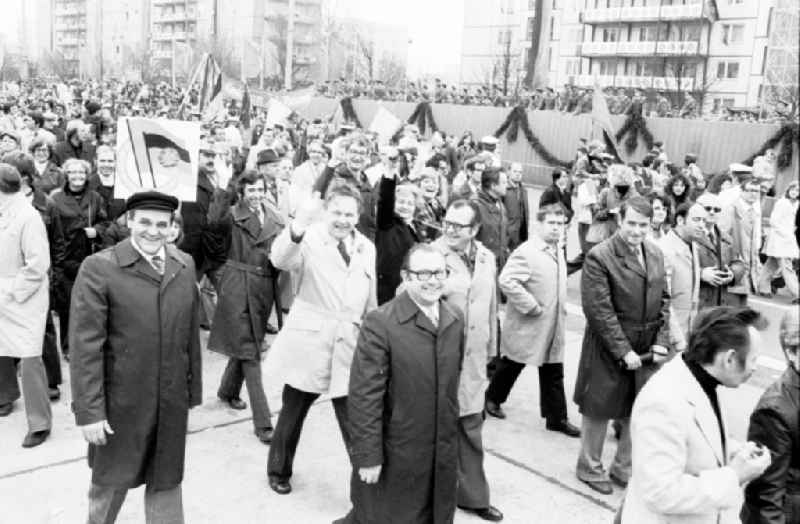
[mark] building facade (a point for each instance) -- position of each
(715, 50)
(495, 42)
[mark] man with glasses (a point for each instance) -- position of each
(352, 171)
(715, 254)
(471, 287)
(403, 401)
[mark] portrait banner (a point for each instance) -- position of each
(157, 154)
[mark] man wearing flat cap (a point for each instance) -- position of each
(135, 363)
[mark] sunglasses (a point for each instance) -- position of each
(710, 209)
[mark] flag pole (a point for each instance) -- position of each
(196, 73)
(135, 160)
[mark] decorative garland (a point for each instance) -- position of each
(519, 118)
(786, 136)
(423, 117)
(348, 111)
(634, 126)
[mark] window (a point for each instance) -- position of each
(732, 34)
(530, 29)
(728, 70)
(552, 28)
(555, 4)
(610, 34)
(764, 61)
(735, 2)
(549, 58)
(531, 5)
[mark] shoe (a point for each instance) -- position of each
(279, 486)
(234, 403)
(495, 410)
(53, 393)
(600, 486)
(490, 513)
(264, 435)
(564, 427)
(6, 409)
(618, 481)
(35, 438)
(271, 330)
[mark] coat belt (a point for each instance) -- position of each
(341, 316)
(250, 268)
(631, 325)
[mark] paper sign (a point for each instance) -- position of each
(385, 124)
(157, 154)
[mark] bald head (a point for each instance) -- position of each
(711, 205)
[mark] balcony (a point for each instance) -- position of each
(636, 82)
(68, 41)
(168, 2)
(70, 11)
(666, 48)
(677, 48)
(173, 17)
(162, 54)
(304, 60)
(177, 35)
(649, 13)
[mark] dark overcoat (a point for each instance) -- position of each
(77, 211)
(720, 253)
(135, 361)
(774, 497)
(516, 202)
(245, 289)
(626, 309)
(403, 414)
(493, 233)
(393, 238)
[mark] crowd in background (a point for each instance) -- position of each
(454, 193)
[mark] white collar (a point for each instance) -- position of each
(161, 252)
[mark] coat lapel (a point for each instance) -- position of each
(629, 260)
(246, 219)
(174, 264)
(704, 416)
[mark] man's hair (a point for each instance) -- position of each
(250, 176)
(720, 329)
(557, 173)
(681, 211)
(639, 204)
(23, 162)
(549, 209)
(423, 247)
(462, 203)
(490, 177)
(38, 142)
(105, 149)
(343, 189)
(434, 160)
(10, 181)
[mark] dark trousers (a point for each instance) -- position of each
(62, 310)
(160, 507)
(248, 372)
(552, 399)
(50, 357)
(293, 414)
(473, 489)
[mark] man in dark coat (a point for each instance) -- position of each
(718, 267)
(516, 202)
(774, 497)
(136, 363)
(403, 402)
(246, 287)
(352, 172)
(559, 193)
(626, 303)
(494, 223)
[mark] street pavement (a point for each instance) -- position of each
(531, 471)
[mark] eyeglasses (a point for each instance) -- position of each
(425, 275)
(710, 209)
(454, 225)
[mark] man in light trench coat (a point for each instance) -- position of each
(535, 282)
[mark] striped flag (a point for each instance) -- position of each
(244, 117)
(210, 86)
(601, 117)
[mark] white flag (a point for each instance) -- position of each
(385, 124)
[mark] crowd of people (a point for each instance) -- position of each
(412, 284)
(571, 99)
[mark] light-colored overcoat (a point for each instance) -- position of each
(314, 349)
(24, 286)
(682, 266)
(679, 474)
(534, 281)
(475, 295)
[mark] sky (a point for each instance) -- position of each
(434, 28)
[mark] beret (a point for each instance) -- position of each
(267, 156)
(154, 200)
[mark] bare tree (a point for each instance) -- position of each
(223, 51)
(141, 58)
(366, 53)
(58, 65)
(278, 33)
(391, 70)
(505, 63)
(686, 67)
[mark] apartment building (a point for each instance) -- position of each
(495, 41)
(716, 49)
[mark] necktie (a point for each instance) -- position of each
(158, 264)
(343, 251)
